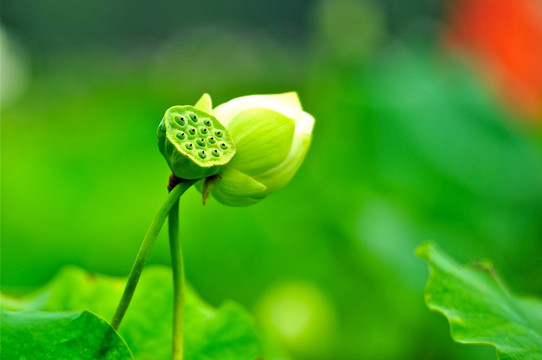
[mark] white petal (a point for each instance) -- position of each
(287, 104)
(305, 124)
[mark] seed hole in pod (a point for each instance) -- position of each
(200, 142)
(181, 135)
(207, 122)
(180, 120)
(189, 146)
(219, 133)
(211, 140)
(215, 153)
(194, 117)
(224, 146)
(202, 154)
(192, 131)
(203, 131)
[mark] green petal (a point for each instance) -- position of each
(205, 104)
(281, 174)
(263, 138)
(237, 189)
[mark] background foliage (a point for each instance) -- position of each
(480, 307)
(224, 333)
(414, 140)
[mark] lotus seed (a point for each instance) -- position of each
(223, 146)
(207, 122)
(211, 140)
(218, 133)
(215, 153)
(181, 135)
(203, 131)
(202, 154)
(180, 121)
(194, 117)
(201, 142)
(192, 131)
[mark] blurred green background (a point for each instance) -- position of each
(412, 142)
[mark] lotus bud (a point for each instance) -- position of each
(272, 135)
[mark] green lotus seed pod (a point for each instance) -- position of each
(186, 136)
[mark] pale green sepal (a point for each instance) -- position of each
(280, 175)
(205, 104)
(261, 147)
(237, 189)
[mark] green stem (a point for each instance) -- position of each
(177, 265)
(145, 249)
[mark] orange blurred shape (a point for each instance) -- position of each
(505, 38)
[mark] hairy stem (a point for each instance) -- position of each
(177, 265)
(145, 249)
